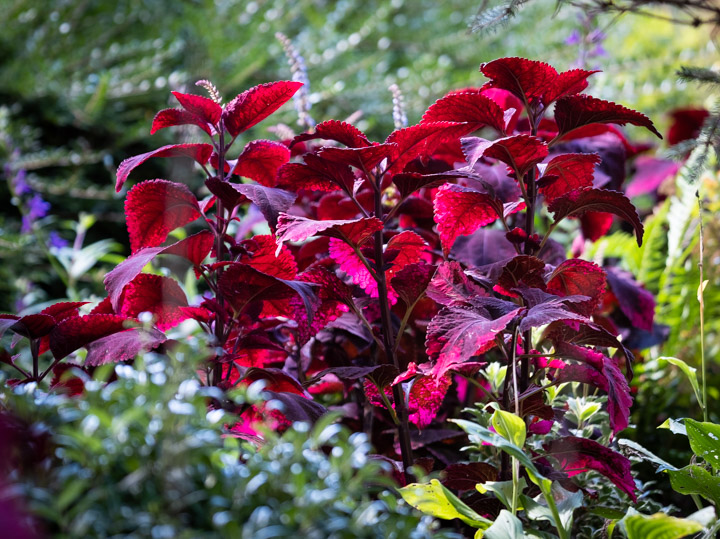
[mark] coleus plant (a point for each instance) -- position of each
(395, 270)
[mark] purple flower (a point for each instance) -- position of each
(573, 38)
(599, 50)
(37, 209)
(21, 186)
(56, 241)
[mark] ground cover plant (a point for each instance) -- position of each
(416, 285)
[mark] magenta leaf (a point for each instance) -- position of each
(425, 397)
(79, 331)
(353, 231)
(200, 106)
(575, 111)
(467, 106)
(172, 117)
(260, 160)
(550, 310)
(155, 208)
(341, 132)
(316, 174)
(460, 211)
(519, 152)
(254, 105)
(155, 294)
(575, 455)
(568, 172)
(635, 302)
(123, 346)
(198, 152)
(580, 201)
(33, 326)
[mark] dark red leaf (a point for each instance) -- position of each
(608, 377)
(266, 258)
(578, 277)
(522, 270)
(635, 302)
(276, 380)
(261, 160)
(411, 282)
(78, 331)
(519, 152)
(155, 208)
(172, 117)
(575, 111)
(450, 285)
(576, 455)
(65, 309)
(526, 79)
(200, 106)
(587, 334)
(567, 172)
(365, 158)
(193, 248)
(198, 152)
(270, 201)
(458, 333)
(409, 182)
(546, 312)
(594, 225)
(467, 106)
(316, 174)
(579, 201)
(155, 294)
(341, 132)
(353, 231)
(123, 346)
(33, 326)
(569, 82)
(460, 211)
(422, 139)
(464, 476)
(254, 105)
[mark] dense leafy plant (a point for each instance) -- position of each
(384, 288)
(141, 455)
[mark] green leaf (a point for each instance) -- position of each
(659, 526)
(690, 372)
(676, 426)
(634, 449)
(436, 500)
(479, 434)
(705, 441)
(693, 479)
(510, 427)
(506, 526)
(503, 490)
(565, 501)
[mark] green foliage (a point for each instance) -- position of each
(658, 526)
(142, 456)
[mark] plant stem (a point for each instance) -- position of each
(388, 342)
(219, 254)
(701, 299)
(35, 351)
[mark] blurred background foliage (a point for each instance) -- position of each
(81, 80)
